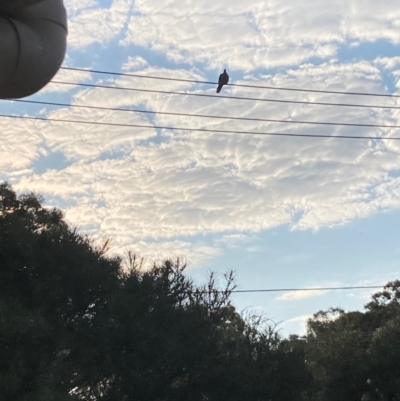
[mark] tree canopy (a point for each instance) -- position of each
(76, 324)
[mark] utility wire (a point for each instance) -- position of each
(200, 129)
(206, 115)
(310, 289)
(226, 97)
(121, 74)
(249, 291)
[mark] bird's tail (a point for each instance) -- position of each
(219, 88)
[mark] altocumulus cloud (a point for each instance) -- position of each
(161, 187)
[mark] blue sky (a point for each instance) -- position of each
(282, 212)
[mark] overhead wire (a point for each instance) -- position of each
(172, 128)
(205, 95)
(122, 74)
(206, 115)
(268, 290)
(309, 289)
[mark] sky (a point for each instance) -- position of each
(283, 212)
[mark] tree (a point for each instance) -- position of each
(76, 324)
(336, 356)
(355, 355)
(169, 339)
(384, 313)
(52, 283)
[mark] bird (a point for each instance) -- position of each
(223, 80)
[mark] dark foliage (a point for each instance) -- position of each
(75, 324)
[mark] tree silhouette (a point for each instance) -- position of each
(77, 324)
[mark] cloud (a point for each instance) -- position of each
(297, 325)
(300, 295)
(257, 34)
(233, 241)
(380, 279)
(87, 141)
(388, 63)
(166, 183)
(66, 76)
(89, 23)
(134, 63)
(22, 139)
(195, 254)
(151, 185)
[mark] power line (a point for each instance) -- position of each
(367, 287)
(235, 85)
(226, 97)
(200, 129)
(206, 115)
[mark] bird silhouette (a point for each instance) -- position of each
(223, 80)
